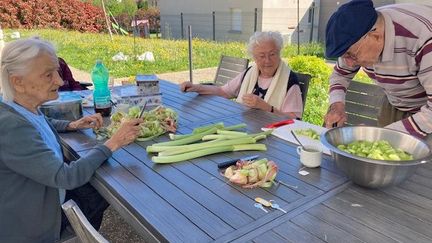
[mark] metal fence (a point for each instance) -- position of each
(295, 25)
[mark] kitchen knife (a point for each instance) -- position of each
(234, 161)
(280, 123)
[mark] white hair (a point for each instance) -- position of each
(16, 58)
(259, 37)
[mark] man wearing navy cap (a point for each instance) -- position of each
(393, 45)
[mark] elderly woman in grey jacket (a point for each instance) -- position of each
(34, 179)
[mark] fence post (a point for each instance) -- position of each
(255, 19)
(214, 25)
(181, 25)
(312, 20)
(298, 27)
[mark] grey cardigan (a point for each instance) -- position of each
(30, 175)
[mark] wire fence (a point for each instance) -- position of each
(297, 25)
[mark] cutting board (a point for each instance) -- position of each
(284, 132)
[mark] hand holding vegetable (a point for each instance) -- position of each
(126, 134)
(91, 121)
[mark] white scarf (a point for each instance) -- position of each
(276, 92)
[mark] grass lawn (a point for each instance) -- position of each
(82, 49)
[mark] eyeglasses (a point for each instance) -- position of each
(354, 55)
(263, 56)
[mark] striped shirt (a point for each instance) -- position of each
(404, 70)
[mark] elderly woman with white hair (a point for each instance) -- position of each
(268, 85)
(34, 179)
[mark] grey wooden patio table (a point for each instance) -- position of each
(191, 202)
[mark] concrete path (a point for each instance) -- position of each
(205, 74)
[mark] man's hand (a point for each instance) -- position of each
(91, 121)
(254, 101)
(335, 115)
(189, 87)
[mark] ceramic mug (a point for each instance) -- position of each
(310, 155)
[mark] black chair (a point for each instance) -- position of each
(304, 80)
(362, 103)
(229, 67)
(85, 85)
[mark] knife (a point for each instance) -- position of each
(280, 123)
(234, 161)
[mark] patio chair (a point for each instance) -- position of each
(229, 67)
(304, 80)
(82, 227)
(362, 103)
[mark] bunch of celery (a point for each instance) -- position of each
(207, 140)
(156, 122)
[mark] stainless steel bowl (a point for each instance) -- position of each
(376, 173)
(67, 107)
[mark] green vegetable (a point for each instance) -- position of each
(156, 122)
(379, 150)
(308, 133)
(207, 151)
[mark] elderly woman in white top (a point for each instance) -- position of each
(34, 179)
(268, 85)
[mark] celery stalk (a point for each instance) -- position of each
(222, 136)
(187, 140)
(192, 147)
(206, 151)
(197, 130)
(235, 127)
(223, 132)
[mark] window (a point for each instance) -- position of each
(236, 19)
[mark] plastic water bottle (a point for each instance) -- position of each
(101, 93)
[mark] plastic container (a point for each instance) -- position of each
(101, 93)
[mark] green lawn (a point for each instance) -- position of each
(82, 49)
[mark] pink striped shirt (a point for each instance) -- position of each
(292, 101)
(405, 67)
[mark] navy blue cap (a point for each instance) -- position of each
(347, 25)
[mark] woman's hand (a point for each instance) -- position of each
(126, 134)
(188, 87)
(254, 101)
(336, 115)
(91, 121)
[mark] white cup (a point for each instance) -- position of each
(310, 155)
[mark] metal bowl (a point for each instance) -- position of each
(370, 172)
(68, 106)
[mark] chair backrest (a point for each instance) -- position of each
(82, 227)
(362, 103)
(229, 68)
(304, 80)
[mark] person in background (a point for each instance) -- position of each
(69, 83)
(268, 85)
(393, 45)
(34, 179)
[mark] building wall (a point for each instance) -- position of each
(328, 7)
(284, 19)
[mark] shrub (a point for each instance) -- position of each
(317, 97)
(63, 14)
(153, 15)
